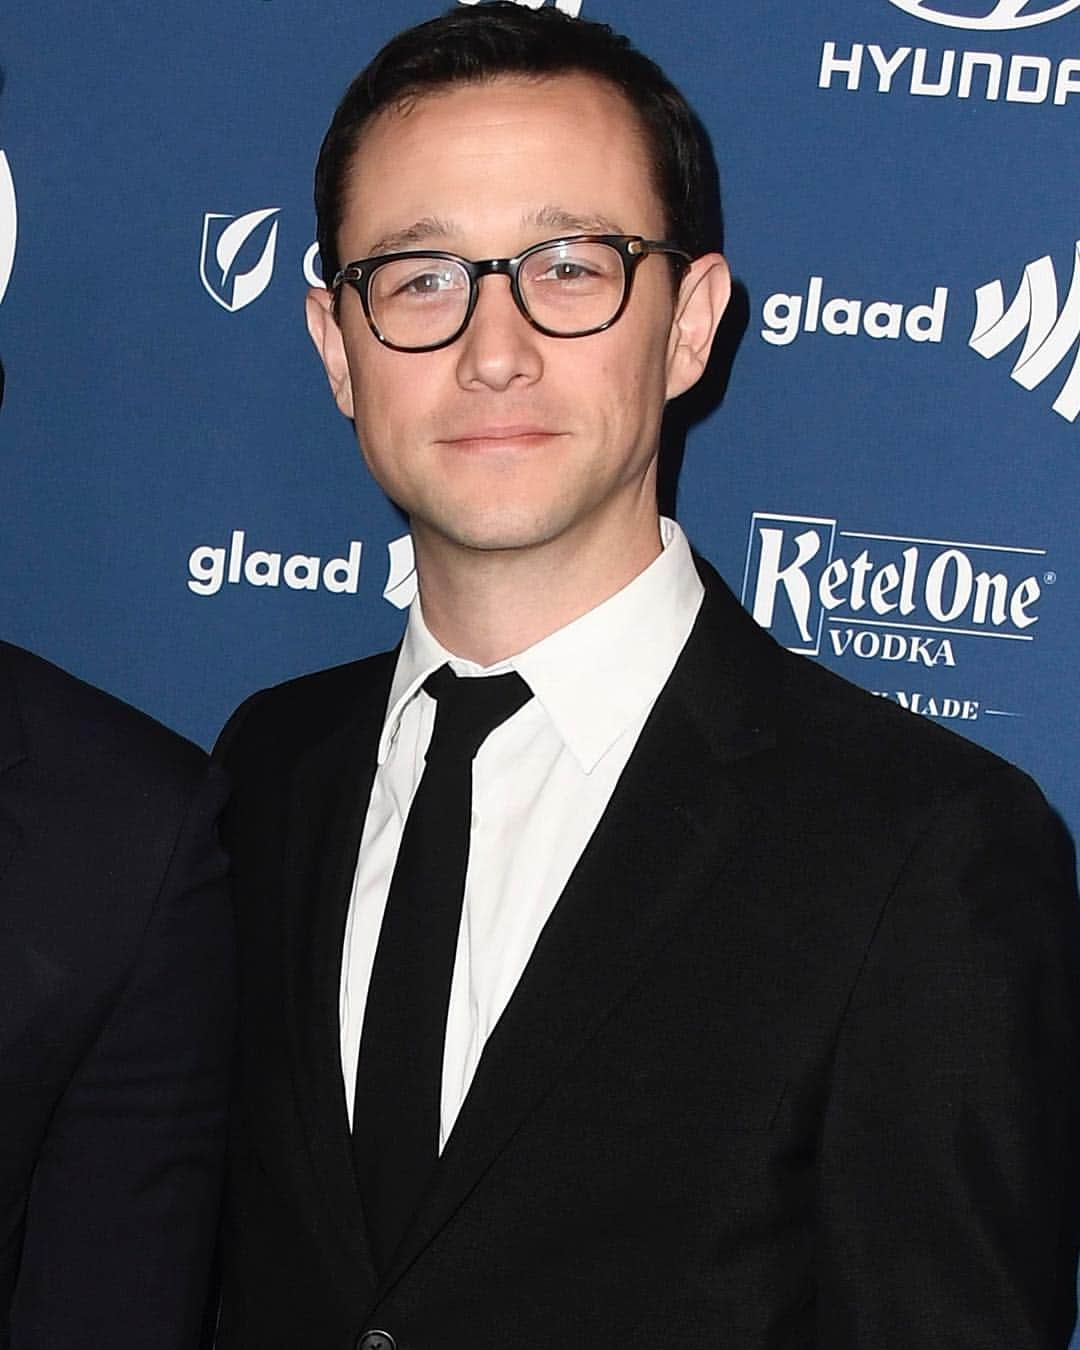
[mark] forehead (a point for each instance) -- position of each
(482, 157)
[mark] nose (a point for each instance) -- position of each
(499, 348)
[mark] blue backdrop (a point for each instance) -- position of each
(890, 480)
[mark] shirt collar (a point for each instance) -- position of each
(596, 677)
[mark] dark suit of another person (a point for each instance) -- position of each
(793, 1065)
(116, 1019)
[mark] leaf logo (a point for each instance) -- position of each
(223, 238)
(9, 222)
(1002, 14)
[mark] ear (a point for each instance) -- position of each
(702, 299)
(326, 334)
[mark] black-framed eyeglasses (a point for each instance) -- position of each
(421, 300)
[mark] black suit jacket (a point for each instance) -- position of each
(116, 1019)
(793, 1063)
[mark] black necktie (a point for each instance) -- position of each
(399, 1075)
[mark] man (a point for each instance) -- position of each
(116, 1020)
(669, 991)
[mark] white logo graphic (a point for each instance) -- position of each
(209, 568)
(893, 597)
(926, 74)
(222, 239)
(400, 585)
(934, 705)
(786, 316)
(313, 266)
(571, 7)
(9, 221)
(1004, 14)
(1050, 334)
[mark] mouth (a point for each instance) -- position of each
(519, 436)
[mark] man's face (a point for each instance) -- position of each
(509, 439)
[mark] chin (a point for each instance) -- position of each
(502, 529)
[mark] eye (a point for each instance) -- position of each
(429, 283)
(577, 267)
(566, 270)
(418, 280)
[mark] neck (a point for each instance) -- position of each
(488, 604)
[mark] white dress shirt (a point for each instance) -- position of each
(541, 782)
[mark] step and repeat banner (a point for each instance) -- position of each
(889, 480)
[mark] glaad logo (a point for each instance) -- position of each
(1050, 334)
(209, 568)
(785, 316)
(9, 221)
(1004, 14)
(225, 236)
(884, 596)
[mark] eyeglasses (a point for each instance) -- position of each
(567, 288)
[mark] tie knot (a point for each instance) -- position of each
(469, 710)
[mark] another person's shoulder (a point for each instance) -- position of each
(283, 720)
(69, 728)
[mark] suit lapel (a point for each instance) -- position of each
(328, 803)
(676, 816)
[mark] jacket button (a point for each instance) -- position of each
(375, 1340)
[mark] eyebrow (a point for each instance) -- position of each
(430, 228)
(419, 232)
(555, 218)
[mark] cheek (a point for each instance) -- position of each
(635, 376)
(621, 370)
(384, 396)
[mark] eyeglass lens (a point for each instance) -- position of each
(567, 289)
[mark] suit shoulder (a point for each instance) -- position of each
(66, 723)
(867, 738)
(835, 734)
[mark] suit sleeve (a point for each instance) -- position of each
(948, 1178)
(123, 1209)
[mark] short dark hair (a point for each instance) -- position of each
(474, 43)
